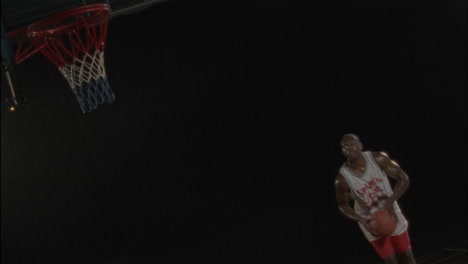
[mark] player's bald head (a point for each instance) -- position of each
(352, 136)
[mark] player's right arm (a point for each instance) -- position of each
(344, 201)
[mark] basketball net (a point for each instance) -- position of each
(75, 45)
(88, 81)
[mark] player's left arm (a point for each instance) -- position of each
(393, 170)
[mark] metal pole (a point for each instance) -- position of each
(8, 64)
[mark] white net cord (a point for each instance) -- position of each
(88, 80)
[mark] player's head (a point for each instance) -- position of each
(354, 136)
(351, 146)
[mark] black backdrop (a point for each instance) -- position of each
(223, 142)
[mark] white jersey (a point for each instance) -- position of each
(369, 191)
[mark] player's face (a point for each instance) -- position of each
(351, 147)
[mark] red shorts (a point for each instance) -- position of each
(391, 245)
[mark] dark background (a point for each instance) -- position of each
(223, 142)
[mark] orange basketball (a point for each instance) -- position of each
(383, 223)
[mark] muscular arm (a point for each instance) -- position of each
(343, 199)
(393, 170)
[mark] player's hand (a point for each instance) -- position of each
(389, 205)
(365, 221)
(367, 224)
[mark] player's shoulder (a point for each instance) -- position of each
(339, 178)
(339, 175)
(341, 185)
(380, 155)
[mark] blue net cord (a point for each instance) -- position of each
(90, 95)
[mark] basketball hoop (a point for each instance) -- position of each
(74, 41)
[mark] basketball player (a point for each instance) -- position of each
(363, 181)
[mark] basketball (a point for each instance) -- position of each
(383, 223)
